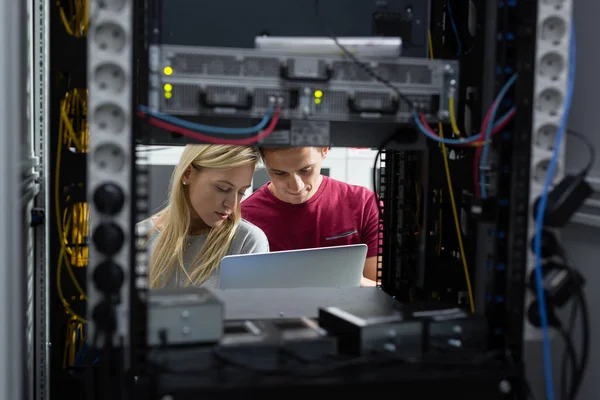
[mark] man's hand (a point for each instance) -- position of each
(364, 282)
(370, 268)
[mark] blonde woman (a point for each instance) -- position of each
(201, 223)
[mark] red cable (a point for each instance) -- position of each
(477, 143)
(211, 139)
(481, 140)
(478, 151)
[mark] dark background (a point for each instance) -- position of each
(235, 23)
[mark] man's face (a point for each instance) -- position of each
(295, 172)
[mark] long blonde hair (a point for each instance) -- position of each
(167, 256)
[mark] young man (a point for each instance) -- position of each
(300, 208)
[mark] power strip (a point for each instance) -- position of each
(550, 89)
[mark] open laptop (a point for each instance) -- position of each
(338, 266)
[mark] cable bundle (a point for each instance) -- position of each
(74, 16)
(72, 215)
(71, 208)
(207, 133)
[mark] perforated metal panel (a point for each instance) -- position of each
(40, 112)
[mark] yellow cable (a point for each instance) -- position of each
(59, 225)
(80, 214)
(72, 133)
(75, 108)
(456, 222)
(453, 123)
(85, 16)
(73, 345)
(62, 259)
(65, 20)
(69, 266)
(430, 42)
(61, 295)
(453, 203)
(76, 21)
(74, 340)
(69, 126)
(78, 233)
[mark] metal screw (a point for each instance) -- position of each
(448, 68)
(185, 314)
(452, 82)
(457, 329)
(185, 330)
(505, 386)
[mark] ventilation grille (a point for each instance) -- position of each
(382, 191)
(206, 64)
(269, 67)
(141, 212)
(186, 98)
(336, 102)
(261, 67)
(407, 74)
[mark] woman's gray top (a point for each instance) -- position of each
(248, 239)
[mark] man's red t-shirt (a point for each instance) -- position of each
(337, 214)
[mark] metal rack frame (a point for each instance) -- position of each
(16, 199)
(510, 251)
(40, 125)
(510, 248)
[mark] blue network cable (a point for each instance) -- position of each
(488, 134)
(470, 139)
(454, 28)
(539, 222)
(82, 355)
(208, 128)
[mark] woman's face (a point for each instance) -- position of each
(216, 193)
